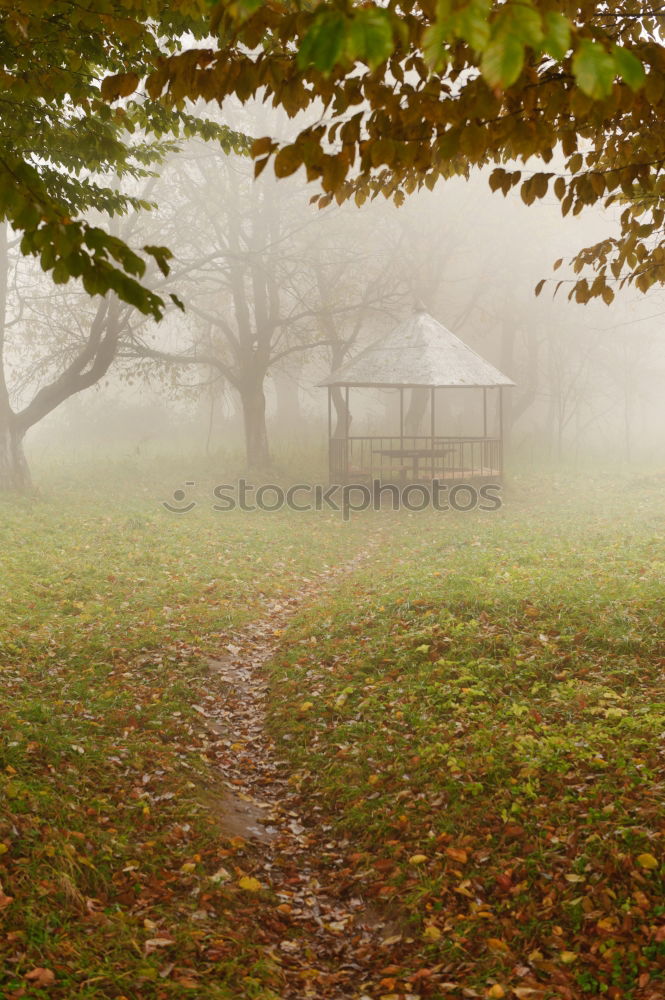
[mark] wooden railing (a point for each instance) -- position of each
(418, 458)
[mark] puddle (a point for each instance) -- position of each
(239, 817)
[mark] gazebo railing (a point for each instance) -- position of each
(414, 458)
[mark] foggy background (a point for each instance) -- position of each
(278, 293)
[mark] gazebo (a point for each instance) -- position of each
(419, 354)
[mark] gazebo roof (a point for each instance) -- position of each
(418, 352)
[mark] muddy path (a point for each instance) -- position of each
(328, 940)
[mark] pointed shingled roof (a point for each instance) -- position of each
(418, 352)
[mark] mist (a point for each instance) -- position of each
(331, 604)
(277, 293)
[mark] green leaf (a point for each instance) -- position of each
(629, 67)
(557, 34)
(503, 60)
(161, 255)
(324, 43)
(526, 24)
(435, 40)
(370, 37)
(472, 24)
(594, 69)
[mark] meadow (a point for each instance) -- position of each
(474, 713)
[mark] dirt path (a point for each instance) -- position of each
(327, 940)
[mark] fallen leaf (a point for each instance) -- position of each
(647, 861)
(417, 859)
(221, 875)
(249, 884)
(153, 944)
(432, 933)
(41, 977)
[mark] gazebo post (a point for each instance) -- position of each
(432, 422)
(347, 423)
(401, 416)
(484, 412)
(500, 430)
(330, 443)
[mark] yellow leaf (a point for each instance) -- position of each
(417, 859)
(496, 944)
(568, 957)
(188, 868)
(373, 779)
(249, 884)
(305, 706)
(647, 861)
(3, 848)
(496, 992)
(432, 933)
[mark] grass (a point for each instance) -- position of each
(481, 713)
(109, 606)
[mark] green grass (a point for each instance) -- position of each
(481, 713)
(487, 693)
(108, 608)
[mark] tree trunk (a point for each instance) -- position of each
(14, 471)
(253, 402)
(342, 413)
(415, 414)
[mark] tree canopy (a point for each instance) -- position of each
(398, 94)
(65, 149)
(403, 93)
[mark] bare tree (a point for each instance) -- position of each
(266, 277)
(84, 338)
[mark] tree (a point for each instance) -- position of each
(412, 92)
(267, 279)
(64, 147)
(83, 344)
(415, 91)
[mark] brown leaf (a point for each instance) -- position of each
(119, 85)
(41, 977)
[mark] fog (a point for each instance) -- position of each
(400, 737)
(277, 293)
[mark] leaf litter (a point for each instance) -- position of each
(326, 941)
